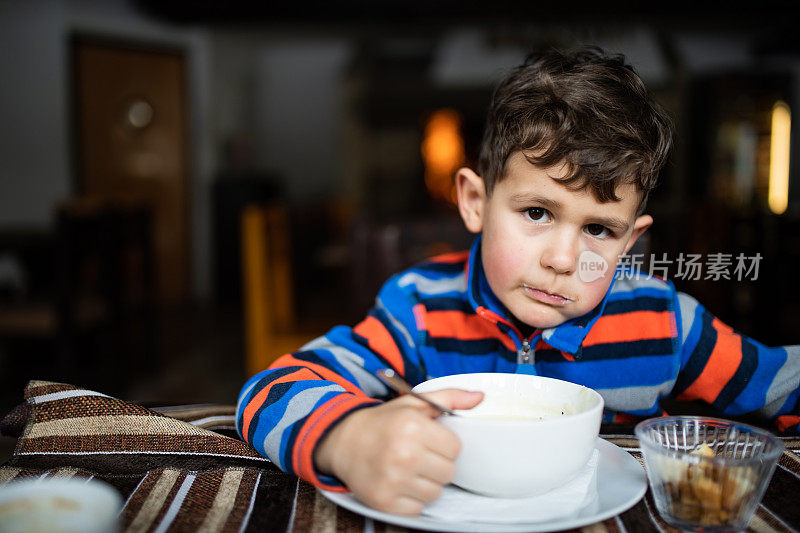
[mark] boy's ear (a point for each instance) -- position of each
(640, 226)
(471, 193)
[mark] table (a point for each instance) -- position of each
(183, 468)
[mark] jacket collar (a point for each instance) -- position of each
(566, 337)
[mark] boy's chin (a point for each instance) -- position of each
(543, 321)
(538, 315)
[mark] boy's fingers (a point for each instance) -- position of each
(441, 441)
(455, 398)
(423, 489)
(405, 505)
(440, 467)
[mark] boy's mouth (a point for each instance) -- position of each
(550, 298)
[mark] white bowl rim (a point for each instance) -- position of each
(555, 420)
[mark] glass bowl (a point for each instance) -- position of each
(707, 474)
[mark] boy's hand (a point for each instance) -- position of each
(395, 457)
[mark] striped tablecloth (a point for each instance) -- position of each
(182, 468)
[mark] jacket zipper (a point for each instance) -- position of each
(524, 354)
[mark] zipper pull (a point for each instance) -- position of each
(524, 354)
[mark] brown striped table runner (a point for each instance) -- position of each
(183, 468)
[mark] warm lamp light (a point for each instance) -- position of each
(778, 196)
(443, 152)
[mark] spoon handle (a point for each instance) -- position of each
(393, 379)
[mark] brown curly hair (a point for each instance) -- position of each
(582, 107)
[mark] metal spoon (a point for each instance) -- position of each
(393, 379)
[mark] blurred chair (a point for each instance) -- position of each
(231, 193)
(271, 327)
(382, 249)
(102, 286)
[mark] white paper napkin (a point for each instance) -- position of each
(456, 504)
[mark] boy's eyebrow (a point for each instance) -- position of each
(524, 198)
(611, 222)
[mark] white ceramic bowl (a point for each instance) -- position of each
(517, 442)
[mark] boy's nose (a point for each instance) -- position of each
(561, 256)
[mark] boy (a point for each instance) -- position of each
(572, 148)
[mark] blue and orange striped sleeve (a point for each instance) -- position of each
(734, 374)
(284, 411)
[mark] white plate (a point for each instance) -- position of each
(621, 482)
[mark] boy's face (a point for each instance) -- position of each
(542, 242)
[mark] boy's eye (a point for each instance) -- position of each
(598, 230)
(537, 214)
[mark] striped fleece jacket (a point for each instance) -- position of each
(642, 343)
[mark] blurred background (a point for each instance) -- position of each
(189, 189)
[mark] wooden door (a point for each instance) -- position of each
(130, 107)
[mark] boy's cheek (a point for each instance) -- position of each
(595, 274)
(594, 268)
(500, 273)
(502, 263)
